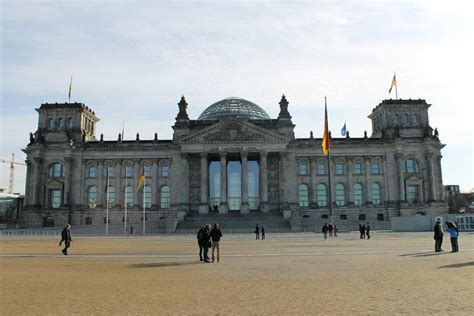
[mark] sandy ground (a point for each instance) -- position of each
(392, 273)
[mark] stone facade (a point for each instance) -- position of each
(238, 162)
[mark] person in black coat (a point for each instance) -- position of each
(325, 230)
(367, 230)
(66, 237)
(438, 234)
(263, 232)
(202, 243)
(216, 235)
(257, 232)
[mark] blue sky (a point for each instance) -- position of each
(132, 60)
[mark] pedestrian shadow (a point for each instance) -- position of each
(422, 254)
(458, 265)
(163, 264)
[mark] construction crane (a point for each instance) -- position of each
(12, 171)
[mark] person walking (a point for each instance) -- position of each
(334, 228)
(330, 229)
(216, 235)
(438, 234)
(367, 230)
(453, 233)
(362, 231)
(257, 232)
(66, 237)
(325, 230)
(263, 232)
(203, 236)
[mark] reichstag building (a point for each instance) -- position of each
(233, 161)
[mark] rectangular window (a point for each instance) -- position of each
(92, 171)
(339, 168)
(110, 171)
(357, 168)
(302, 169)
(375, 168)
(321, 169)
(412, 194)
(54, 198)
(128, 171)
(88, 220)
(147, 170)
(164, 170)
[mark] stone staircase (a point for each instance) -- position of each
(235, 222)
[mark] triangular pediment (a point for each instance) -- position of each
(234, 131)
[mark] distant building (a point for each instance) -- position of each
(451, 191)
(11, 206)
(233, 158)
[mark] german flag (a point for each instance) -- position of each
(325, 143)
(141, 179)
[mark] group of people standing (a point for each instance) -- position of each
(330, 229)
(209, 238)
(453, 230)
(259, 228)
(364, 230)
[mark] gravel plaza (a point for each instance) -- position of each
(292, 274)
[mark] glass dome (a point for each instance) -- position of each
(234, 106)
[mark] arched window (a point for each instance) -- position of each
(395, 119)
(376, 193)
(165, 197)
(340, 194)
(129, 196)
(414, 119)
(357, 194)
(405, 119)
(61, 122)
(321, 195)
(51, 122)
(70, 122)
(55, 170)
(112, 196)
(92, 197)
(303, 195)
(147, 198)
(411, 166)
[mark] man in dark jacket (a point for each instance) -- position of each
(325, 230)
(204, 239)
(367, 230)
(438, 234)
(66, 237)
(216, 235)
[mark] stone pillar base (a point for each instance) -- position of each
(244, 208)
(203, 209)
(223, 209)
(264, 207)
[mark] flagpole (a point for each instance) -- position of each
(143, 190)
(329, 165)
(396, 86)
(107, 213)
(125, 221)
(70, 90)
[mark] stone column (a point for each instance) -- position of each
(264, 207)
(68, 181)
(313, 189)
(29, 171)
(429, 163)
(223, 207)
(101, 175)
(368, 171)
(440, 178)
(204, 207)
(185, 185)
(244, 206)
(401, 182)
(283, 176)
(136, 175)
(350, 181)
(154, 184)
(37, 163)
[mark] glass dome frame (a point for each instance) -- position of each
(234, 106)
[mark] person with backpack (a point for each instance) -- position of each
(216, 235)
(66, 237)
(203, 237)
(453, 233)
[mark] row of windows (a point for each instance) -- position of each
(362, 217)
(129, 195)
(340, 192)
(110, 171)
(303, 168)
(56, 170)
(60, 123)
(55, 197)
(404, 119)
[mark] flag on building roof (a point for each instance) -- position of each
(394, 83)
(70, 89)
(343, 130)
(325, 142)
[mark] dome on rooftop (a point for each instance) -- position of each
(234, 106)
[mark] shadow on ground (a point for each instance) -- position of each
(423, 254)
(163, 264)
(458, 265)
